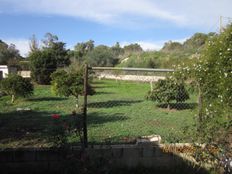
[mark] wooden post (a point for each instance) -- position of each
(200, 108)
(85, 106)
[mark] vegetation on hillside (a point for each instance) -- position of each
(172, 53)
(9, 55)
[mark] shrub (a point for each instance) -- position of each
(167, 90)
(16, 86)
(69, 82)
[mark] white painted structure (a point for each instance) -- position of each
(25, 74)
(4, 70)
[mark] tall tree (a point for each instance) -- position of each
(47, 59)
(117, 50)
(8, 53)
(133, 48)
(101, 56)
(81, 49)
(34, 44)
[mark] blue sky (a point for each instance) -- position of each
(147, 22)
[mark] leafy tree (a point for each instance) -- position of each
(132, 48)
(196, 41)
(8, 53)
(81, 49)
(70, 82)
(211, 74)
(101, 56)
(46, 60)
(172, 46)
(167, 90)
(42, 65)
(34, 45)
(117, 50)
(16, 86)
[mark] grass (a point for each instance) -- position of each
(118, 112)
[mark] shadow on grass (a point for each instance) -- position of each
(96, 118)
(16, 125)
(179, 106)
(183, 167)
(102, 86)
(41, 99)
(32, 126)
(113, 103)
(103, 93)
(97, 82)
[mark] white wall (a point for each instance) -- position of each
(5, 70)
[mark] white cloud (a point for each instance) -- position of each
(146, 45)
(200, 13)
(103, 11)
(21, 44)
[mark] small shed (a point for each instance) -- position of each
(4, 71)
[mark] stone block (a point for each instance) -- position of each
(24, 155)
(148, 152)
(117, 152)
(6, 156)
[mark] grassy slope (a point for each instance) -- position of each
(127, 113)
(117, 112)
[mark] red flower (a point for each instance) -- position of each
(55, 116)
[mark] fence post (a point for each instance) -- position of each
(200, 108)
(85, 106)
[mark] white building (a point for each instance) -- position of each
(4, 71)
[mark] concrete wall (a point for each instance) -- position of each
(4, 70)
(52, 160)
(25, 74)
(130, 77)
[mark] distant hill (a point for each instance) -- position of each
(171, 54)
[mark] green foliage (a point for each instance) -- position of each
(143, 60)
(63, 127)
(132, 48)
(70, 82)
(212, 75)
(101, 56)
(172, 53)
(167, 90)
(172, 47)
(81, 49)
(67, 84)
(117, 50)
(196, 41)
(117, 111)
(16, 86)
(8, 54)
(45, 61)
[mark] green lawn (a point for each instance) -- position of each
(118, 112)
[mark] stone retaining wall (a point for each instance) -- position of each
(52, 160)
(130, 77)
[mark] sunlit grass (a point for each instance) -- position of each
(118, 112)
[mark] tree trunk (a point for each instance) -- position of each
(12, 98)
(151, 86)
(77, 103)
(169, 106)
